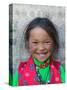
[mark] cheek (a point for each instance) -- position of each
(51, 50)
(48, 46)
(33, 48)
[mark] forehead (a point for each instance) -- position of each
(39, 34)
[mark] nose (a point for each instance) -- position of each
(41, 47)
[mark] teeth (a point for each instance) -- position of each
(42, 56)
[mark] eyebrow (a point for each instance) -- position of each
(34, 40)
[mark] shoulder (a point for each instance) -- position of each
(22, 64)
(57, 64)
(26, 64)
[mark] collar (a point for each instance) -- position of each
(41, 64)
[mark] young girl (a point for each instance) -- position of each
(41, 41)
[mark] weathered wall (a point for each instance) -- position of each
(23, 14)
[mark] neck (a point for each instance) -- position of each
(38, 63)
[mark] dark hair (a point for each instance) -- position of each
(45, 24)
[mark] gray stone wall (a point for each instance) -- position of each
(22, 15)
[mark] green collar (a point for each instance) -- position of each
(38, 63)
(42, 73)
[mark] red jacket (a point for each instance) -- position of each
(27, 73)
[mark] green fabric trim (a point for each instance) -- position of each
(44, 72)
(13, 80)
(10, 79)
(62, 73)
(38, 63)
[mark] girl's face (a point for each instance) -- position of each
(40, 44)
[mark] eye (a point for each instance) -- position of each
(48, 42)
(35, 42)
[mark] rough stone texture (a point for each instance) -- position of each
(22, 15)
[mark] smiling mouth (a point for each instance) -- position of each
(41, 55)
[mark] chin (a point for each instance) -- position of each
(41, 60)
